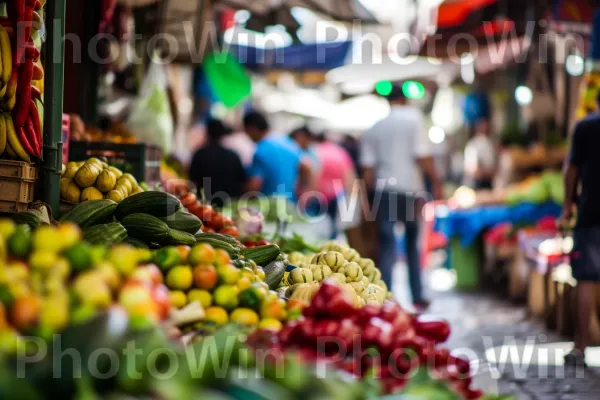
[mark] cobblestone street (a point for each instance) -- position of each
(530, 361)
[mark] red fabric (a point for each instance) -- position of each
(455, 13)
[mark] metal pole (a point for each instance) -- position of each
(53, 104)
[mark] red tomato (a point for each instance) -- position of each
(188, 199)
(205, 213)
(208, 229)
(227, 222)
(217, 220)
(194, 208)
(262, 242)
(230, 231)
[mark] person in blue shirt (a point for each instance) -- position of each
(279, 167)
(305, 139)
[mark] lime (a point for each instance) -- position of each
(19, 243)
(244, 317)
(83, 313)
(79, 257)
(180, 278)
(252, 298)
(167, 258)
(177, 298)
(7, 228)
(201, 296)
(216, 315)
(226, 296)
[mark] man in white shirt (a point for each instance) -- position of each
(393, 152)
(480, 158)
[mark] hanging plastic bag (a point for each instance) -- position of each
(151, 120)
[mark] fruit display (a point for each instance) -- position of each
(51, 278)
(381, 341)
(357, 276)
(228, 290)
(21, 82)
(547, 187)
(93, 179)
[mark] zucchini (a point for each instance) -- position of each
(90, 213)
(27, 218)
(107, 234)
(274, 273)
(180, 237)
(218, 243)
(156, 204)
(219, 236)
(137, 243)
(147, 228)
(183, 221)
(262, 255)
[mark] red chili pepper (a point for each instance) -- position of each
(28, 17)
(38, 5)
(32, 52)
(24, 141)
(21, 30)
(23, 93)
(35, 93)
(33, 137)
(35, 119)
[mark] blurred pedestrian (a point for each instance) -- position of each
(279, 168)
(304, 138)
(352, 147)
(215, 169)
(335, 180)
(391, 154)
(480, 158)
(582, 167)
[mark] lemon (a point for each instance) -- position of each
(124, 184)
(124, 258)
(216, 315)
(131, 179)
(270, 324)
(86, 176)
(180, 278)
(226, 296)
(177, 298)
(7, 228)
(43, 261)
(109, 274)
(116, 172)
(201, 296)
(70, 172)
(69, 234)
(228, 274)
(46, 238)
(244, 317)
(72, 194)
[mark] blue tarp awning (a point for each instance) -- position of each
(468, 224)
(314, 56)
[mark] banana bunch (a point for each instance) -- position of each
(8, 76)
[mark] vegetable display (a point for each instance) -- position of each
(380, 341)
(21, 82)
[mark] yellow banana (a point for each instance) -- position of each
(14, 140)
(3, 90)
(6, 52)
(9, 149)
(12, 102)
(2, 135)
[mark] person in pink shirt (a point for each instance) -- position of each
(336, 176)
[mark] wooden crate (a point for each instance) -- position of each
(17, 185)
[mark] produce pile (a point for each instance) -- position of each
(547, 187)
(93, 179)
(357, 276)
(228, 291)
(381, 341)
(51, 278)
(21, 82)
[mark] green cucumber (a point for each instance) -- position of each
(183, 221)
(157, 204)
(90, 213)
(107, 234)
(262, 255)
